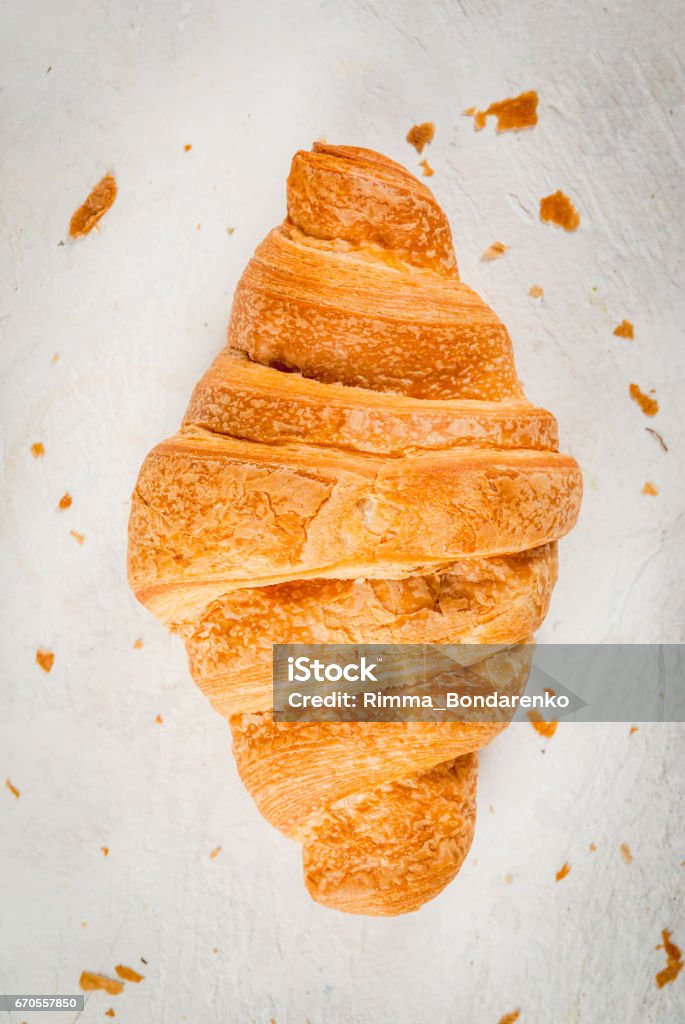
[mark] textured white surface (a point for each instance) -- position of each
(136, 311)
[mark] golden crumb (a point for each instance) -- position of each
(65, 501)
(110, 1013)
(215, 852)
(90, 982)
(159, 720)
(55, 358)
(198, 226)
(536, 292)
(633, 729)
(38, 450)
(188, 146)
(540, 725)
(510, 1018)
(592, 848)
(421, 135)
(229, 231)
(558, 209)
(509, 879)
(649, 488)
(674, 961)
(494, 251)
(512, 114)
(563, 871)
(128, 974)
(427, 171)
(46, 659)
(78, 537)
(105, 850)
(649, 406)
(12, 788)
(95, 206)
(624, 330)
(137, 644)
(625, 853)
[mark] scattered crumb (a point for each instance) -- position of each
(12, 788)
(541, 726)
(105, 850)
(65, 501)
(633, 729)
(510, 1018)
(84, 924)
(143, 960)
(427, 171)
(625, 853)
(563, 871)
(420, 135)
(649, 488)
(215, 852)
(159, 720)
(624, 330)
(229, 231)
(55, 358)
(38, 450)
(593, 848)
(137, 644)
(658, 436)
(78, 537)
(674, 958)
(188, 146)
(198, 226)
(558, 209)
(508, 879)
(494, 251)
(110, 1013)
(216, 950)
(46, 659)
(512, 114)
(90, 982)
(492, 809)
(649, 406)
(128, 974)
(96, 206)
(536, 292)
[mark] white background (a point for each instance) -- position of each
(137, 310)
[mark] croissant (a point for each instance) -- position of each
(359, 464)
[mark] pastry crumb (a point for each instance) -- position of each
(558, 209)
(55, 358)
(159, 720)
(65, 501)
(78, 537)
(188, 146)
(128, 974)
(91, 982)
(649, 406)
(633, 729)
(12, 788)
(215, 852)
(536, 292)
(137, 644)
(421, 135)
(494, 251)
(674, 961)
(563, 871)
(625, 853)
(427, 171)
(105, 851)
(110, 1013)
(541, 725)
(46, 659)
(649, 488)
(229, 231)
(38, 450)
(624, 330)
(509, 879)
(592, 848)
(95, 206)
(512, 114)
(510, 1018)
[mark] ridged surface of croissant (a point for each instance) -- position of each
(360, 464)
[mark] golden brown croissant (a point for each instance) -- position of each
(360, 464)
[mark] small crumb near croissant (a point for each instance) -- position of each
(110, 1013)
(427, 171)
(649, 405)
(159, 720)
(512, 114)
(46, 659)
(494, 251)
(510, 1018)
(55, 358)
(541, 726)
(421, 135)
(625, 853)
(536, 292)
(38, 450)
(649, 488)
(128, 974)
(624, 330)
(509, 879)
(674, 961)
(95, 206)
(215, 852)
(105, 851)
(78, 537)
(12, 788)
(65, 501)
(563, 871)
(593, 848)
(558, 209)
(91, 982)
(188, 146)
(229, 231)
(137, 644)
(633, 729)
